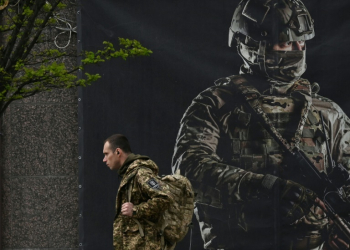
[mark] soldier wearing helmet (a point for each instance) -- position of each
(260, 26)
(245, 198)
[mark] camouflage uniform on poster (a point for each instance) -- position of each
(149, 202)
(235, 166)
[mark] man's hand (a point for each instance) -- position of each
(127, 209)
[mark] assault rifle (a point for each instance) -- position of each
(299, 168)
(328, 187)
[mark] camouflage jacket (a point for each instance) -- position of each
(225, 153)
(149, 202)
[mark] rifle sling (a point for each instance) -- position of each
(251, 96)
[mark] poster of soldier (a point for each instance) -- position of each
(249, 99)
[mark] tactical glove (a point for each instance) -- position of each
(295, 200)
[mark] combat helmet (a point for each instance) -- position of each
(259, 24)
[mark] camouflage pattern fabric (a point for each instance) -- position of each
(178, 218)
(149, 201)
(225, 153)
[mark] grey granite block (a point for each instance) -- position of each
(5, 160)
(5, 184)
(63, 224)
(29, 125)
(62, 141)
(31, 203)
(44, 212)
(6, 213)
(44, 140)
(54, 96)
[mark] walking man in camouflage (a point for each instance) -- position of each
(140, 199)
(239, 171)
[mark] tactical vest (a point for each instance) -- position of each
(252, 147)
(247, 145)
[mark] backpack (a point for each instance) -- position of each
(173, 225)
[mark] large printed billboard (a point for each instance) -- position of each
(215, 140)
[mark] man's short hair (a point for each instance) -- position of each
(119, 141)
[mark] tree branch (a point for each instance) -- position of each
(14, 35)
(40, 29)
(20, 48)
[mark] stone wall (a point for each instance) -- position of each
(39, 163)
(40, 173)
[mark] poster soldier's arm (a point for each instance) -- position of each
(197, 144)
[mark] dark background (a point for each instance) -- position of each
(145, 98)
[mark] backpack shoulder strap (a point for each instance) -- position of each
(130, 185)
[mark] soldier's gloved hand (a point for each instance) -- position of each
(295, 199)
